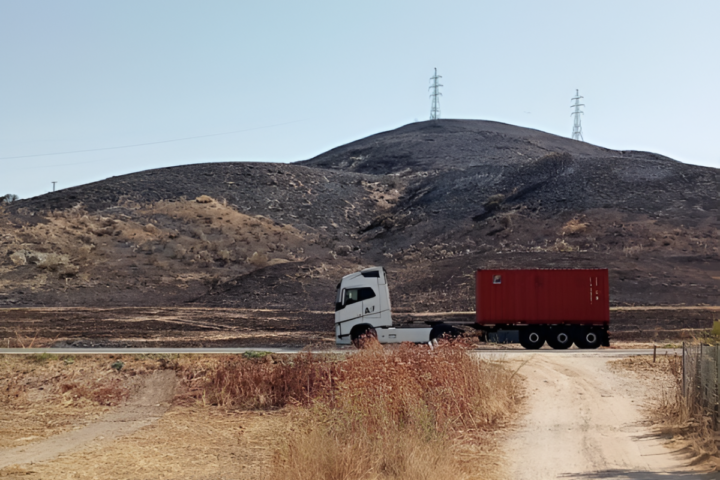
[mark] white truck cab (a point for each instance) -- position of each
(362, 308)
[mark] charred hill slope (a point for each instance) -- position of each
(432, 201)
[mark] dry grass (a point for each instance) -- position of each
(187, 443)
(664, 375)
(43, 395)
(256, 382)
(398, 414)
(573, 227)
(72, 248)
(674, 415)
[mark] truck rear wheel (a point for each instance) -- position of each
(363, 335)
(559, 339)
(589, 338)
(532, 338)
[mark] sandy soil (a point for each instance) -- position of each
(585, 421)
(146, 406)
(188, 443)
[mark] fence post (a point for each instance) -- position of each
(702, 380)
(716, 405)
(684, 392)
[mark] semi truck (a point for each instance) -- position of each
(557, 306)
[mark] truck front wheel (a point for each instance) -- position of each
(363, 335)
(532, 338)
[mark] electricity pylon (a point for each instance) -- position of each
(435, 95)
(577, 126)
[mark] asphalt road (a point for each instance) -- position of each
(214, 351)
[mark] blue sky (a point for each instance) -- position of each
(294, 79)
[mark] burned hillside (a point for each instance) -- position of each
(432, 201)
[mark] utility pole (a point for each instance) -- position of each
(54, 185)
(435, 95)
(577, 126)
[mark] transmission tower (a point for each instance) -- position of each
(435, 95)
(577, 126)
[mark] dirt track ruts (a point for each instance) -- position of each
(584, 421)
(145, 407)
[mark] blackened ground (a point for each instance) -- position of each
(165, 327)
(233, 327)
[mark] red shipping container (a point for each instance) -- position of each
(548, 297)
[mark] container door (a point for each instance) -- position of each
(597, 293)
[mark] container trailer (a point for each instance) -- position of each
(557, 306)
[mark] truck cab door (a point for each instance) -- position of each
(349, 307)
(371, 302)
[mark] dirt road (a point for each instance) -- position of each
(585, 421)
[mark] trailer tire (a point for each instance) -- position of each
(559, 339)
(532, 338)
(447, 332)
(363, 335)
(588, 338)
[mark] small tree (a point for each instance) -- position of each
(8, 198)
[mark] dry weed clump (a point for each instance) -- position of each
(562, 246)
(257, 383)
(398, 414)
(69, 380)
(379, 413)
(454, 389)
(574, 227)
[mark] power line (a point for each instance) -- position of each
(577, 126)
(435, 95)
(148, 143)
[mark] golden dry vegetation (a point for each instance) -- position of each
(395, 413)
(43, 395)
(169, 242)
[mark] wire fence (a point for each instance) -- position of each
(701, 382)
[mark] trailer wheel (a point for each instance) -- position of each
(363, 336)
(532, 338)
(559, 339)
(589, 338)
(447, 332)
